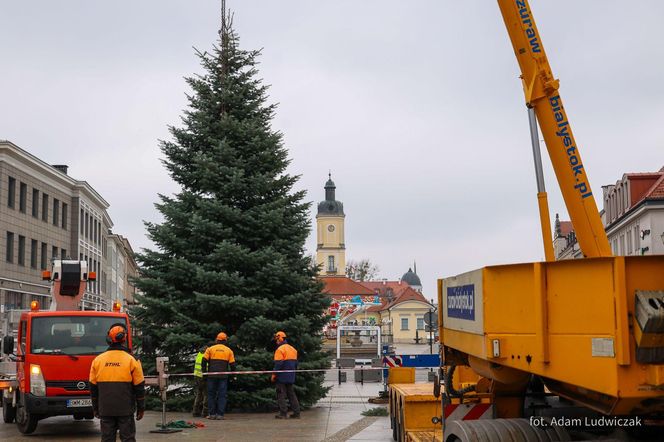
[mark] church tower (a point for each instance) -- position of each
(331, 247)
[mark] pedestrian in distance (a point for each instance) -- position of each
(218, 358)
(285, 358)
(200, 385)
(117, 388)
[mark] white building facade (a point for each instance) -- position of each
(633, 216)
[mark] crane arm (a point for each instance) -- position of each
(541, 92)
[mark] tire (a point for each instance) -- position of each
(8, 412)
(401, 435)
(25, 421)
(502, 430)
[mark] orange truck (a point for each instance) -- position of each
(48, 374)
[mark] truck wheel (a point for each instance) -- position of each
(25, 421)
(401, 432)
(8, 411)
(501, 430)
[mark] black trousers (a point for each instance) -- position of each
(283, 391)
(111, 424)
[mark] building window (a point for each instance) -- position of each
(44, 256)
(87, 226)
(82, 225)
(54, 252)
(629, 242)
(404, 323)
(637, 239)
(45, 207)
(65, 208)
(56, 211)
(22, 197)
(63, 253)
(24, 331)
(35, 203)
(10, 247)
(11, 195)
(94, 269)
(21, 250)
(33, 253)
(420, 323)
(330, 264)
(622, 245)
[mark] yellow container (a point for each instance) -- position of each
(401, 375)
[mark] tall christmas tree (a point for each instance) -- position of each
(230, 251)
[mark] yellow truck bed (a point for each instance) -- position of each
(411, 408)
(424, 436)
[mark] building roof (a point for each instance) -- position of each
(392, 293)
(566, 227)
(379, 287)
(644, 187)
(657, 189)
(9, 149)
(411, 278)
(344, 286)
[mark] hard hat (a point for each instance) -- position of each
(280, 335)
(222, 337)
(117, 334)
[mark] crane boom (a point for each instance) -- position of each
(541, 92)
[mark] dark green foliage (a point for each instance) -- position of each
(376, 411)
(230, 251)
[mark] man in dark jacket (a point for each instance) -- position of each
(285, 358)
(117, 388)
(218, 358)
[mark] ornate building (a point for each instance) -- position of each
(331, 247)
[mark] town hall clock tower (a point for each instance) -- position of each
(331, 247)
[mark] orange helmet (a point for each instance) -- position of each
(117, 334)
(279, 336)
(222, 337)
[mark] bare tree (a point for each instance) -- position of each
(362, 270)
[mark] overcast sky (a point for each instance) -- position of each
(416, 107)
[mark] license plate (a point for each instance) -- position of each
(79, 403)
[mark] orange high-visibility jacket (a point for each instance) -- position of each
(219, 358)
(117, 386)
(285, 358)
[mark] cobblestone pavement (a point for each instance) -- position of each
(336, 417)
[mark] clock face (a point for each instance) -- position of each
(330, 228)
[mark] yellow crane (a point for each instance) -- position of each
(589, 331)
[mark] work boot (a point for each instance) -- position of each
(295, 416)
(281, 416)
(211, 417)
(220, 417)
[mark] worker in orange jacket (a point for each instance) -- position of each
(218, 358)
(285, 358)
(117, 388)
